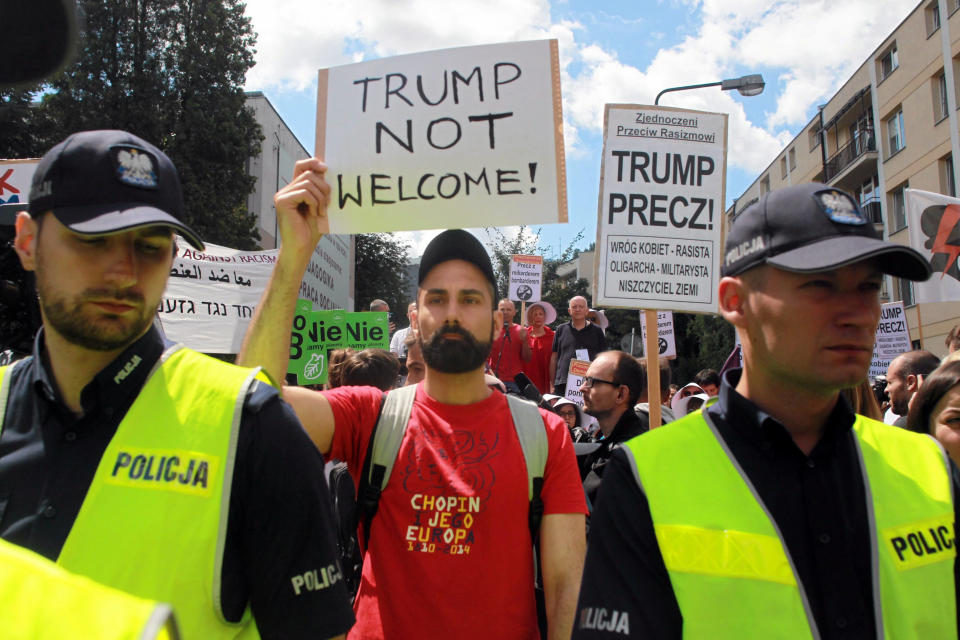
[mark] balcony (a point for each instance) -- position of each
(871, 209)
(851, 158)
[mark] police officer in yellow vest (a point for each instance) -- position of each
(141, 464)
(41, 601)
(777, 512)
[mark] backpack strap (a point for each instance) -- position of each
(6, 378)
(532, 434)
(385, 439)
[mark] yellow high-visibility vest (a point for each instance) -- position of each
(154, 520)
(41, 601)
(729, 566)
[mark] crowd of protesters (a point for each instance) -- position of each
(774, 502)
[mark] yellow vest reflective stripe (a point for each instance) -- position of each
(41, 601)
(154, 520)
(730, 570)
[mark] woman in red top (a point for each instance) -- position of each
(540, 337)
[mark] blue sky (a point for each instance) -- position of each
(610, 51)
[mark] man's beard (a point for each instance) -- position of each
(67, 318)
(455, 355)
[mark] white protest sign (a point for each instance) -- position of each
(892, 339)
(328, 280)
(211, 295)
(15, 178)
(464, 137)
(576, 372)
(665, 336)
(526, 278)
(661, 208)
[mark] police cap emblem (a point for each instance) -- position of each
(135, 167)
(840, 207)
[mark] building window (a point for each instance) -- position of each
(948, 185)
(888, 62)
(792, 154)
(905, 290)
(765, 185)
(898, 208)
(783, 168)
(939, 97)
(932, 15)
(895, 137)
(956, 74)
(953, 5)
(815, 134)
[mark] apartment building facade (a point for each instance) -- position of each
(892, 125)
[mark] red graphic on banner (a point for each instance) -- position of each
(6, 186)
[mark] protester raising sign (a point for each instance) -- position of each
(463, 137)
(661, 208)
(526, 278)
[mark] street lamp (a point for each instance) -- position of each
(751, 85)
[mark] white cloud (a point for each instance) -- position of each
(806, 48)
(298, 37)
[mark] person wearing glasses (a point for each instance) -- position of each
(610, 390)
(777, 512)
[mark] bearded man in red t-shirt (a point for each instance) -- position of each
(450, 552)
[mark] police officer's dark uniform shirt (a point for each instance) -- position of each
(628, 426)
(817, 501)
(280, 522)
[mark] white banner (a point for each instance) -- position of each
(464, 137)
(526, 278)
(328, 280)
(933, 223)
(15, 178)
(661, 208)
(211, 295)
(892, 339)
(666, 339)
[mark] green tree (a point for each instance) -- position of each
(381, 272)
(703, 342)
(172, 72)
(21, 126)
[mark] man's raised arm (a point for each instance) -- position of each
(302, 218)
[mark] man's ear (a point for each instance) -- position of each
(25, 242)
(497, 322)
(912, 383)
(414, 321)
(732, 298)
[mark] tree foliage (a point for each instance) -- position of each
(381, 272)
(171, 72)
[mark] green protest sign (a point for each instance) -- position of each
(315, 333)
(367, 330)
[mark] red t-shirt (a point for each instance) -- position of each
(538, 368)
(450, 550)
(506, 354)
